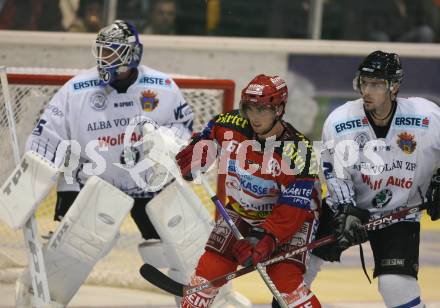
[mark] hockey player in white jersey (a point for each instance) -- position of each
(93, 126)
(379, 155)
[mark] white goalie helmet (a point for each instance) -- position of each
(116, 49)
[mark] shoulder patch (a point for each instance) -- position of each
(161, 81)
(85, 84)
(350, 124)
(412, 121)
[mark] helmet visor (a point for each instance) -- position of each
(254, 107)
(375, 85)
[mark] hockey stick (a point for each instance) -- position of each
(160, 280)
(261, 270)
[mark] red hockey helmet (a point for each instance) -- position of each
(263, 90)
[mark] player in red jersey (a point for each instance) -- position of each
(272, 189)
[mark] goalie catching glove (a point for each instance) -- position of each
(433, 196)
(348, 225)
(197, 155)
(255, 248)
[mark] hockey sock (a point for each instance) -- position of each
(400, 291)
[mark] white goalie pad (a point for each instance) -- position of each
(183, 225)
(86, 234)
(228, 298)
(26, 188)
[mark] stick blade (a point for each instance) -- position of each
(160, 280)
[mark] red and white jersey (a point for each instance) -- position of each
(257, 184)
(97, 118)
(388, 173)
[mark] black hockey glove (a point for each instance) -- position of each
(433, 196)
(330, 252)
(348, 225)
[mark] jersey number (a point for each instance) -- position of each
(39, 127)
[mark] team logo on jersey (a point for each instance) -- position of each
(406, 142)
(98, 101)
(382, 198)
(149, 101)
(361, 139)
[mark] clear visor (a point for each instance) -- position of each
(255, 108)
(109, 55)
(376, 85)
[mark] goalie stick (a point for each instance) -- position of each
(162, 281)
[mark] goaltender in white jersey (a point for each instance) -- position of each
(94, 127)
(96, 119)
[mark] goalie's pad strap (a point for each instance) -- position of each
(25, 188)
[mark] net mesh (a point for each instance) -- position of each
(120, 268)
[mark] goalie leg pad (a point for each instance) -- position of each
(227, 297)
(25, 188)
(87, 233)
(23, 290)
(24, 295)
(151, 252)
(183, 225)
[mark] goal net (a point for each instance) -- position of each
(30, 89)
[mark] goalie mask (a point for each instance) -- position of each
(265, 92)
(380, 65)
(116, 49)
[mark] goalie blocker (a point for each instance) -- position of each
(86, 234)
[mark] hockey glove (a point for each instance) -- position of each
(348, 226)
(256, 247)
(186, 158)
(330, 252)
(433, 196)
(264, 249)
